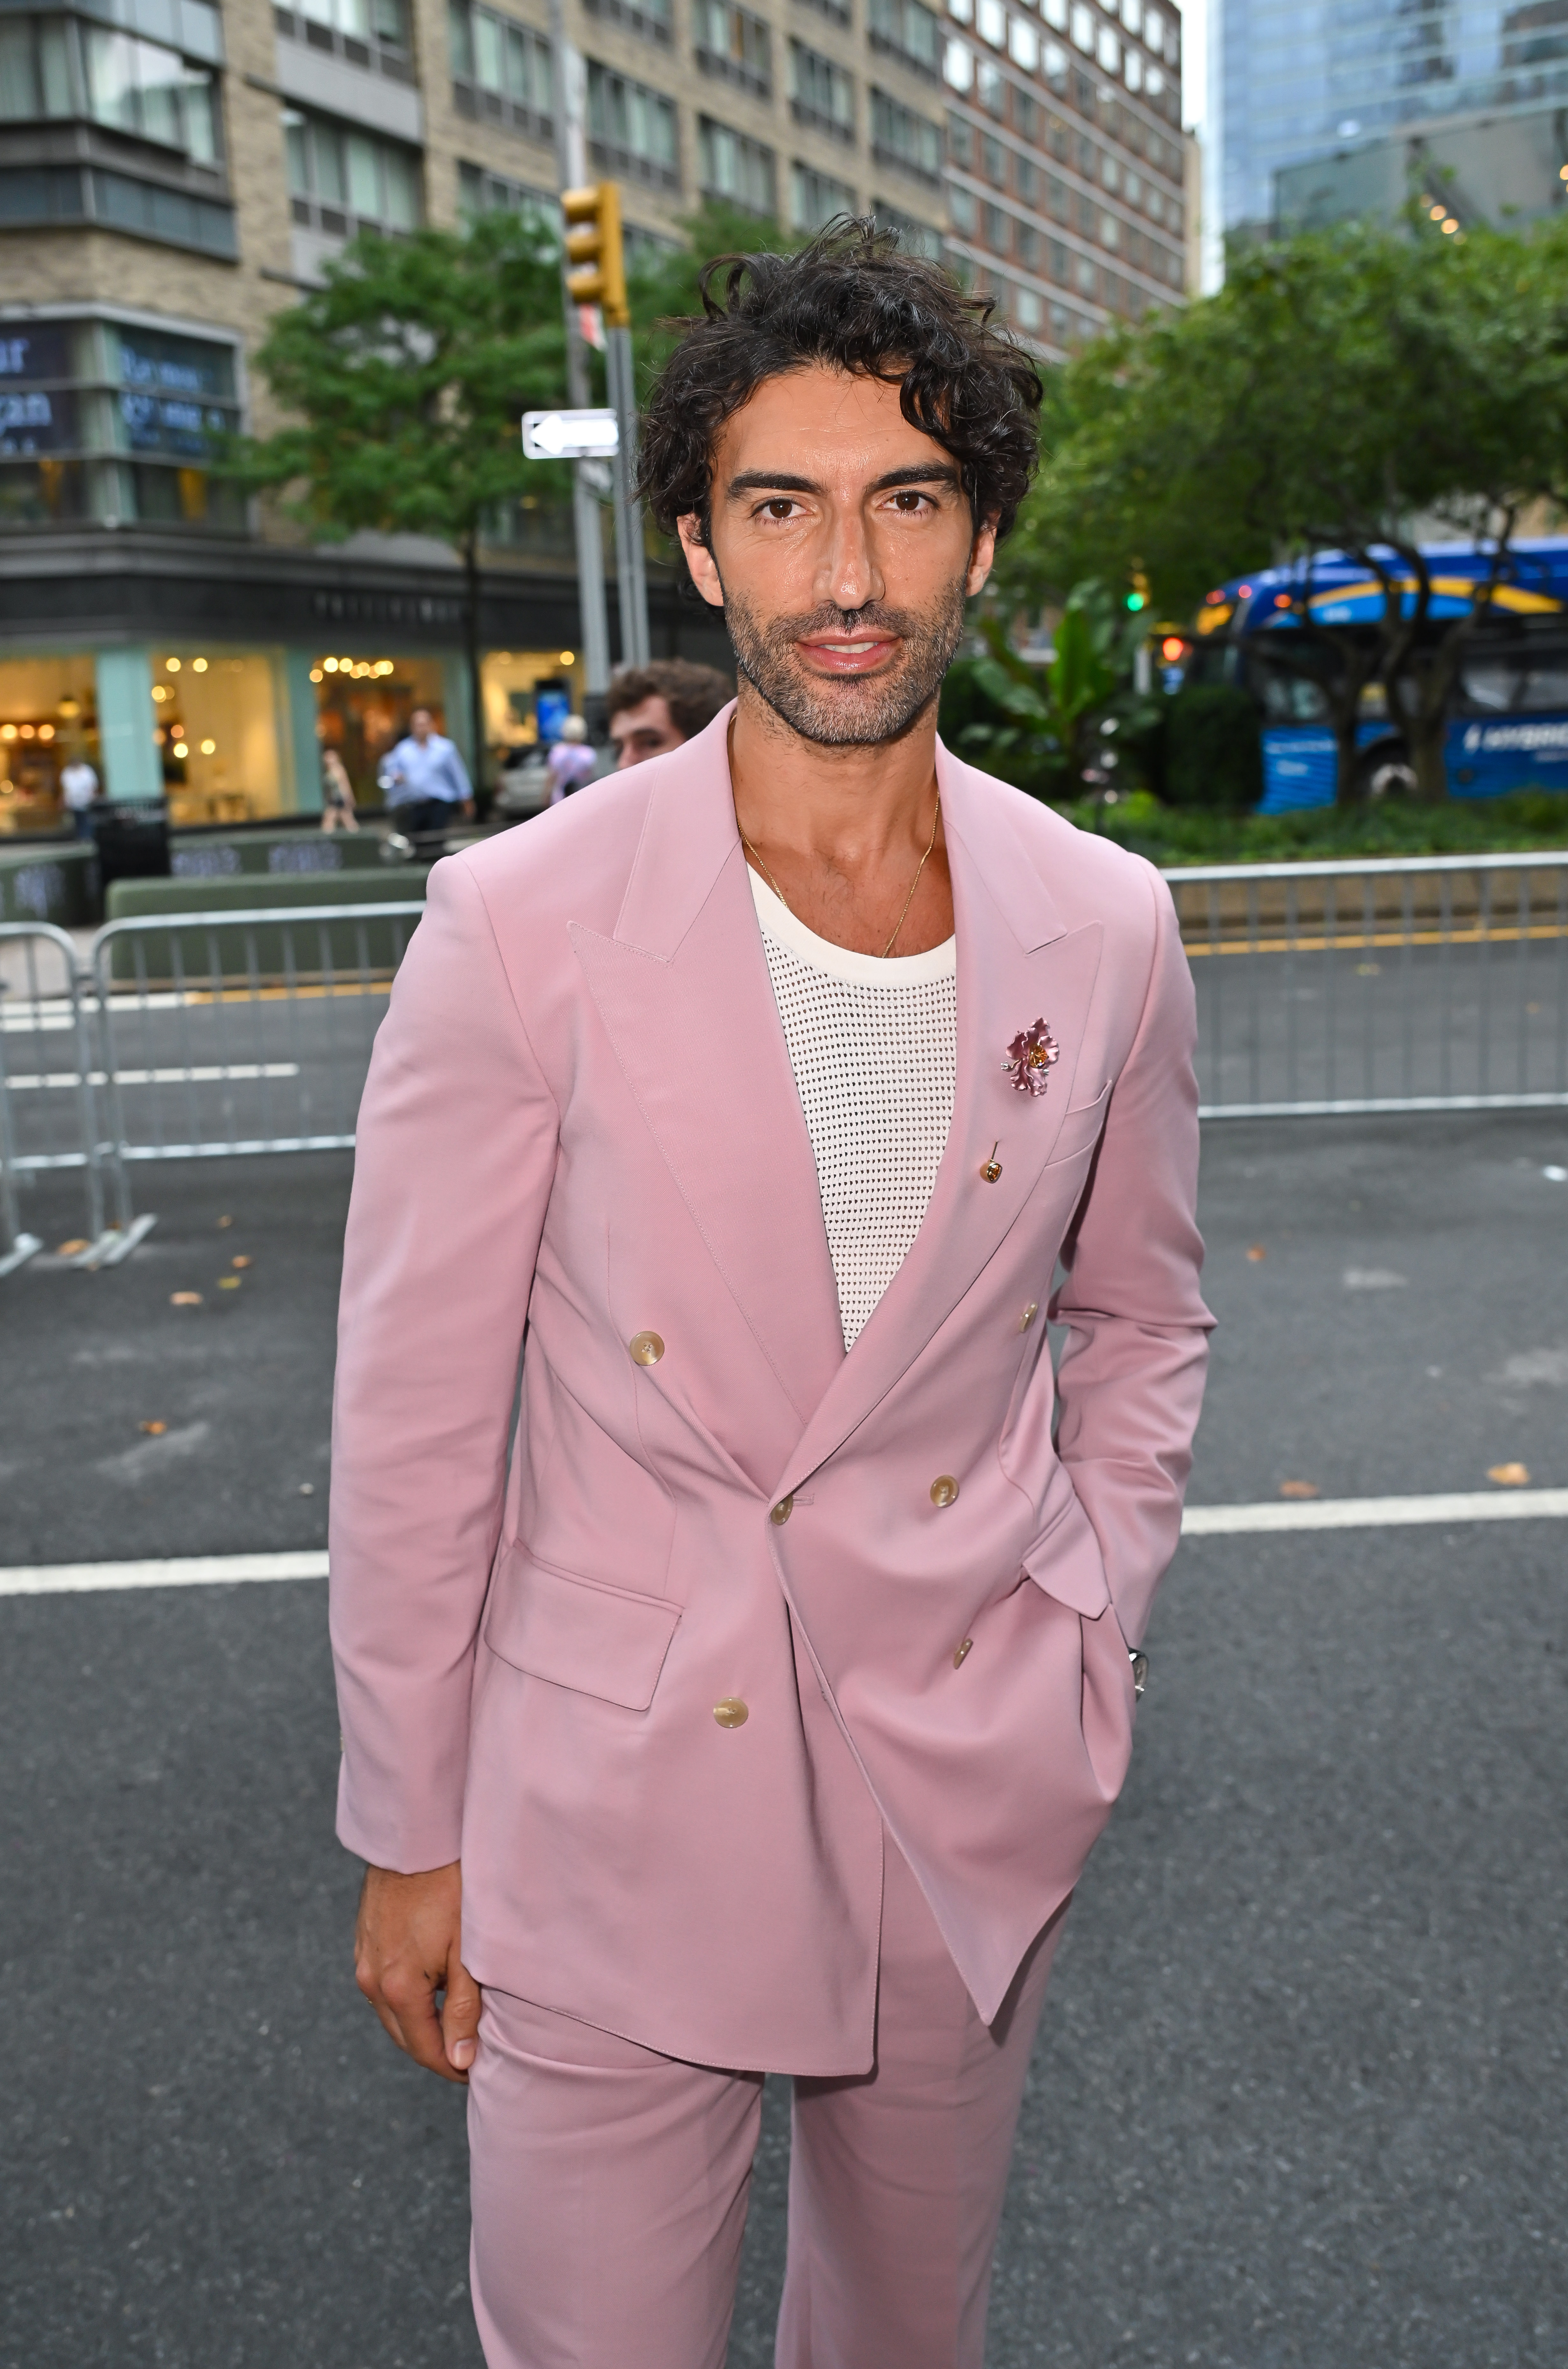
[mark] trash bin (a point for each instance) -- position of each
(132, 842)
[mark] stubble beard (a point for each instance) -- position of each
(847, 711)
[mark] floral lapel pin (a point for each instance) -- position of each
(1031, 1057)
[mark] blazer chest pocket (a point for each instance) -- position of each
(1079, 1130)
(574, 1633)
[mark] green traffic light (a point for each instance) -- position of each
(1134, 600)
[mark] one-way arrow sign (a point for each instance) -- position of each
(570, 435)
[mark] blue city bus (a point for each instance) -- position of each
(1508, 725)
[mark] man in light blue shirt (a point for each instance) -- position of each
(423, 778)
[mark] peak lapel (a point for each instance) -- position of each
(684, 990)
(1017, 963)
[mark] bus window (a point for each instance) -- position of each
(1522, 681)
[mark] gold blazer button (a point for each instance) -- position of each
(647, 1348)
(731, 1711)
(781, 1511)
(961, 1655)
(1028, 1316)
(944, 1490)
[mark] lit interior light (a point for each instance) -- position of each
(1449, 227)
(172, 665)
(329, 666)
(181, 749)
(30, 731)
(345, 666)
(568, 657)
(1436, 212)
(159, 736)
(46, 731)
(162, 692)
(384, 666)
(208, 748)
(361, 671)
(69, 709)
(198, 666)
(7, 731)
(317, 675)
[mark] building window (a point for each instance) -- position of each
(35, 70)
(915, 237)
(899, 136)
(501, 71)
(632, 130)
(116, 422)
(990, 87)
(816, 197)
(960, 143)
(1027, 181)
(993, 159)
(836, 11)
(958, 66)
(342, 179)
(993, 229)
(1023, 44)
(366, 32)
(962, 211)
(907, 30)
(820, 93)
(734, 44)
(737, 169)
(1026, 239)
(141, 87)
(650, 18)
(480, 191)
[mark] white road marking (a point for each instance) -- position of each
(54, 1080)
(1198, 1521)
(1373, 1513)
(187, 1570)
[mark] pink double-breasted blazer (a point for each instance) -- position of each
(582, 1127)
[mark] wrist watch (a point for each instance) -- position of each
(1139, 1661)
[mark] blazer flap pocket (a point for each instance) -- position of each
(576, 1632)
(1080, 1128)
(1065, 1559)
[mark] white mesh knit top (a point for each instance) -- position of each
(873, 1042)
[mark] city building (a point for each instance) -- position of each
(173, 171)
(1350, 89)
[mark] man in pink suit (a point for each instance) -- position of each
(736, 1620)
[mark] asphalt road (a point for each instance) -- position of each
(1299, 2094)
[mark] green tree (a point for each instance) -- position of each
(404, 377)
(1341, 386)
(1050, 728)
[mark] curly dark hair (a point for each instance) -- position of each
(853, 300)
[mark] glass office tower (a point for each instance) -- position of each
(1298, 78)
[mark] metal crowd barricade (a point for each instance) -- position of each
(50, 1084)
(1438, 983)
(234, 1033)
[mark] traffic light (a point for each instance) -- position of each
(596, 264)
(1138, 597)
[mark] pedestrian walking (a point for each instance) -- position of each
(336, 794)
(79, 792)
(757, 1711)
(423, 780)
(571, 761)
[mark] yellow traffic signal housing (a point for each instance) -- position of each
(596, 262)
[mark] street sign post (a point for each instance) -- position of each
(570, 435)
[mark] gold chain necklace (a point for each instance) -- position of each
(935, 826)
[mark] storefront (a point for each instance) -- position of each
(210, 672)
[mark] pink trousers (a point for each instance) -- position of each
(609, 2183)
